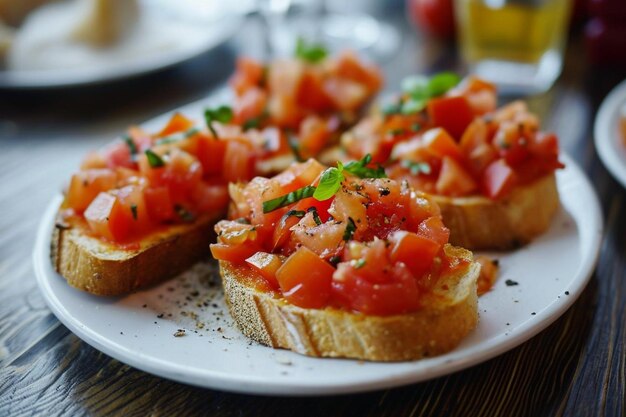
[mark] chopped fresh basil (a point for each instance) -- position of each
(184, 214)
(420, 89)
(154, 159)
(360, 263)
(293, 145)
(133, 210)
(397, 132)
(316, 216)
(417, 168)
(131, 145)
(289, 198)
(222, 114)
(177, 137)
(392, 108)
(330, 182)
(350, 229)
(360, 169)
(415, 127)
(310, 52)
(295, 213)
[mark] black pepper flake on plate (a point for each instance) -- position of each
(180, 333)
(566, 292)
(511, 283)
(533, 313)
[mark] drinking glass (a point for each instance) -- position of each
(517, 44)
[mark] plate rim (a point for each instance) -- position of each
(56, 79)
(602, 132)
(254, 384)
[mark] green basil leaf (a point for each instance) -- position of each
(131, 145)
(330, 182)
(414, 105)
(417, 168)
(350, 229)
(289, 198)
(361, 170)
(316, 216)
(222, 114)
(154, 159)
(177, 137)
(439, 84)
(310, 52)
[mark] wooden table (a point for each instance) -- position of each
(576, 367)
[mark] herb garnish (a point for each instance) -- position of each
(184, 214)
(222, 114)
(133, 210)
(293, 145)
(289, 198)
(397, 132)
(131, 145)
(330, 182)
(316, 216)
(417, 168)
(177, 137)
(154, 159)
(295, 213)
(358, 264)
(350, 229)
(420, 89)
(415, 127)
(360, 169)
(310, 52)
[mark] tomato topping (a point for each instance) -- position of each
(107, 218)
(305, 279)
(454, 180)
(159, 204)
(267, 264)
(440, 143)
(383, 236)
(450, 113)
(178, 123)
(86, 185)
(498, 179)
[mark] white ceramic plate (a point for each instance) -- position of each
(194, 27)
(608, 138)
(140, 329)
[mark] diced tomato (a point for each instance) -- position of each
(181, 173)
(238, 161)
(283, 230)
(230, 253)
(108, 218)
(346, 94)
(474, 136)
(250, 105)
(370, 283)
(480, 157)
(141, 138)
(349, 66)
(545, 144)
(326, 239)
(439, 142)
(118, 154)
(159, 204)
(267, 264)
(321, 207)
(211, 153)
(284, 111)
(177, 123)
(421, 207)
(305, 279)
(311, 94)
(313, 136)
(454, 180)
(415, 251)
(453, 114)
(488, 273)
(234, 233)
(434, 229)
(498, 179)
(249, 73)
(210, 198)
(299, 175)
(86, 185)
(118, 214)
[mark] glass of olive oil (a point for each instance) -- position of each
(518, 44)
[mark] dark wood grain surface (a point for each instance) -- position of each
(576, 367)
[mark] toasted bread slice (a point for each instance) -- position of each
(449, 313)
(101, 268)
(481, 223)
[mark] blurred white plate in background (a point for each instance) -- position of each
(173, 32)
(610, 145)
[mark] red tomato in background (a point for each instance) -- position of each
(435, 17)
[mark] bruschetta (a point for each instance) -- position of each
(492, 171)
(344, 262)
